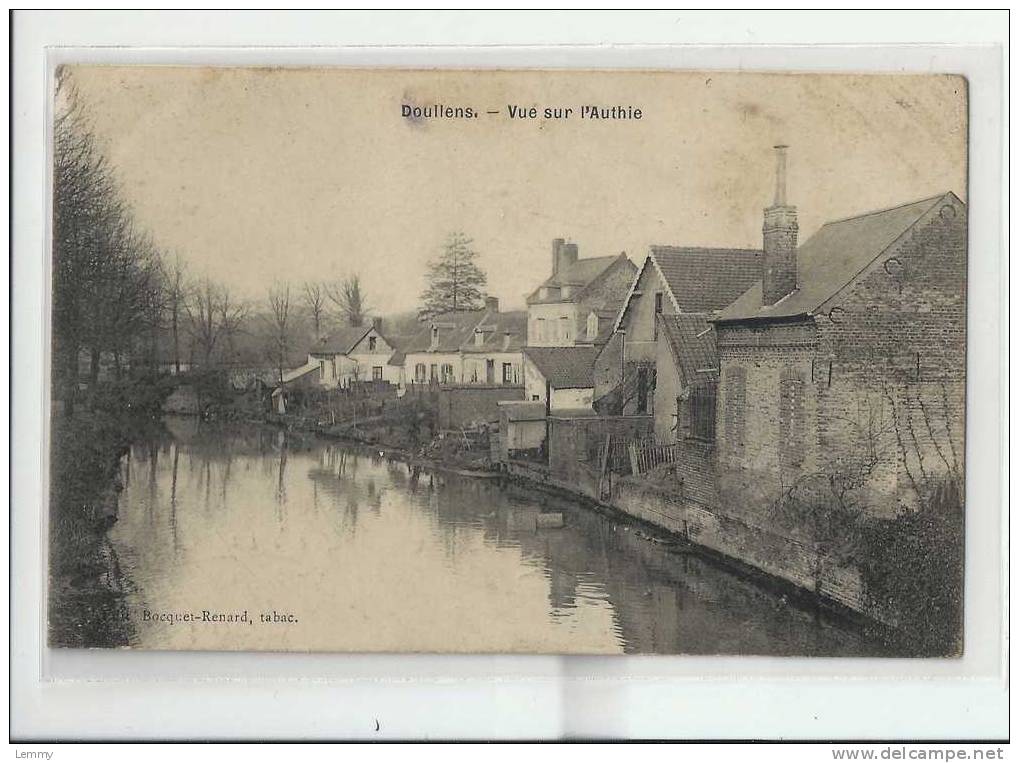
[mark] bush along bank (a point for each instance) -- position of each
(86, 587)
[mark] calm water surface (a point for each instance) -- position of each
(368, 554)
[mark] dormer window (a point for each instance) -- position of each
(435, 337)
(479, 337)
(372, 342)
(592, 327)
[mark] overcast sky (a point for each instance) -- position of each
(255, 175)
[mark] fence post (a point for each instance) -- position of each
(634, 460)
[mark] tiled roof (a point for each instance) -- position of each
(703, 279)
(494, 327)
(692, 341)
(457, 331)
(580, 274)
(454, 328)
(834, 256)
(565, 367)
(341, 341)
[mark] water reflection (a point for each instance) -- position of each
(371, 554)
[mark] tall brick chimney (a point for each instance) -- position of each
(492, 304)
(563, 254)
(780, 231)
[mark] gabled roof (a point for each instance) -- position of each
(691, 339)
(702, 279)
(341, 341)
(581, 274)
(699, 279)
(565, 367)
(834, 256)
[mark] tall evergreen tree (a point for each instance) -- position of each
(455, 282)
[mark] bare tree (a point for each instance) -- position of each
(314, 294)
(204, 309)
(279, 326)
(232, 314)
(349, 299)
(175, 297)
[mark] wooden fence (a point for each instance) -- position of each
(648, 454)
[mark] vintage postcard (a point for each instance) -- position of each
(381, 360)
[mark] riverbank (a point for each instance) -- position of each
(86, 585)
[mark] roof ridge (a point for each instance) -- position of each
(705, 248)
(941, 195)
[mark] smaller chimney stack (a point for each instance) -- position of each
(557, 245)
(377, 324)
(563, 255)
(492, 304)
(780, 233)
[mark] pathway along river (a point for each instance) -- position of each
(364, 553)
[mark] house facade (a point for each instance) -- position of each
(575, 304)
(845, 364)
(673, 280)
(478, 347)
(355, 354)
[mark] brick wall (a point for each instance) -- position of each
(767, 410)
(752, 544)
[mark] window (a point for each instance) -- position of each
(507, 373)
(658, 311)
(734, 411)
(791, 419)
(321, 369)
(433, 374)
(419, 373)
(564, 328)
(541, 329)
(372, 341)
(702, 413)
(447, 373)
(592, 327)
(642, 389)
(535, 397)
(376, 373)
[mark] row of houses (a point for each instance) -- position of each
(841, 355)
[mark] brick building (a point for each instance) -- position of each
(843, 368)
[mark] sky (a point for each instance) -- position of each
(258, 175)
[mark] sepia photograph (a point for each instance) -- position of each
(507, 361)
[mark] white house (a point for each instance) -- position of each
(355, 354)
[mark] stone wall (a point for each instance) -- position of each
(464, 406)
(749, 544)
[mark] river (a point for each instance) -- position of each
(297, 543)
